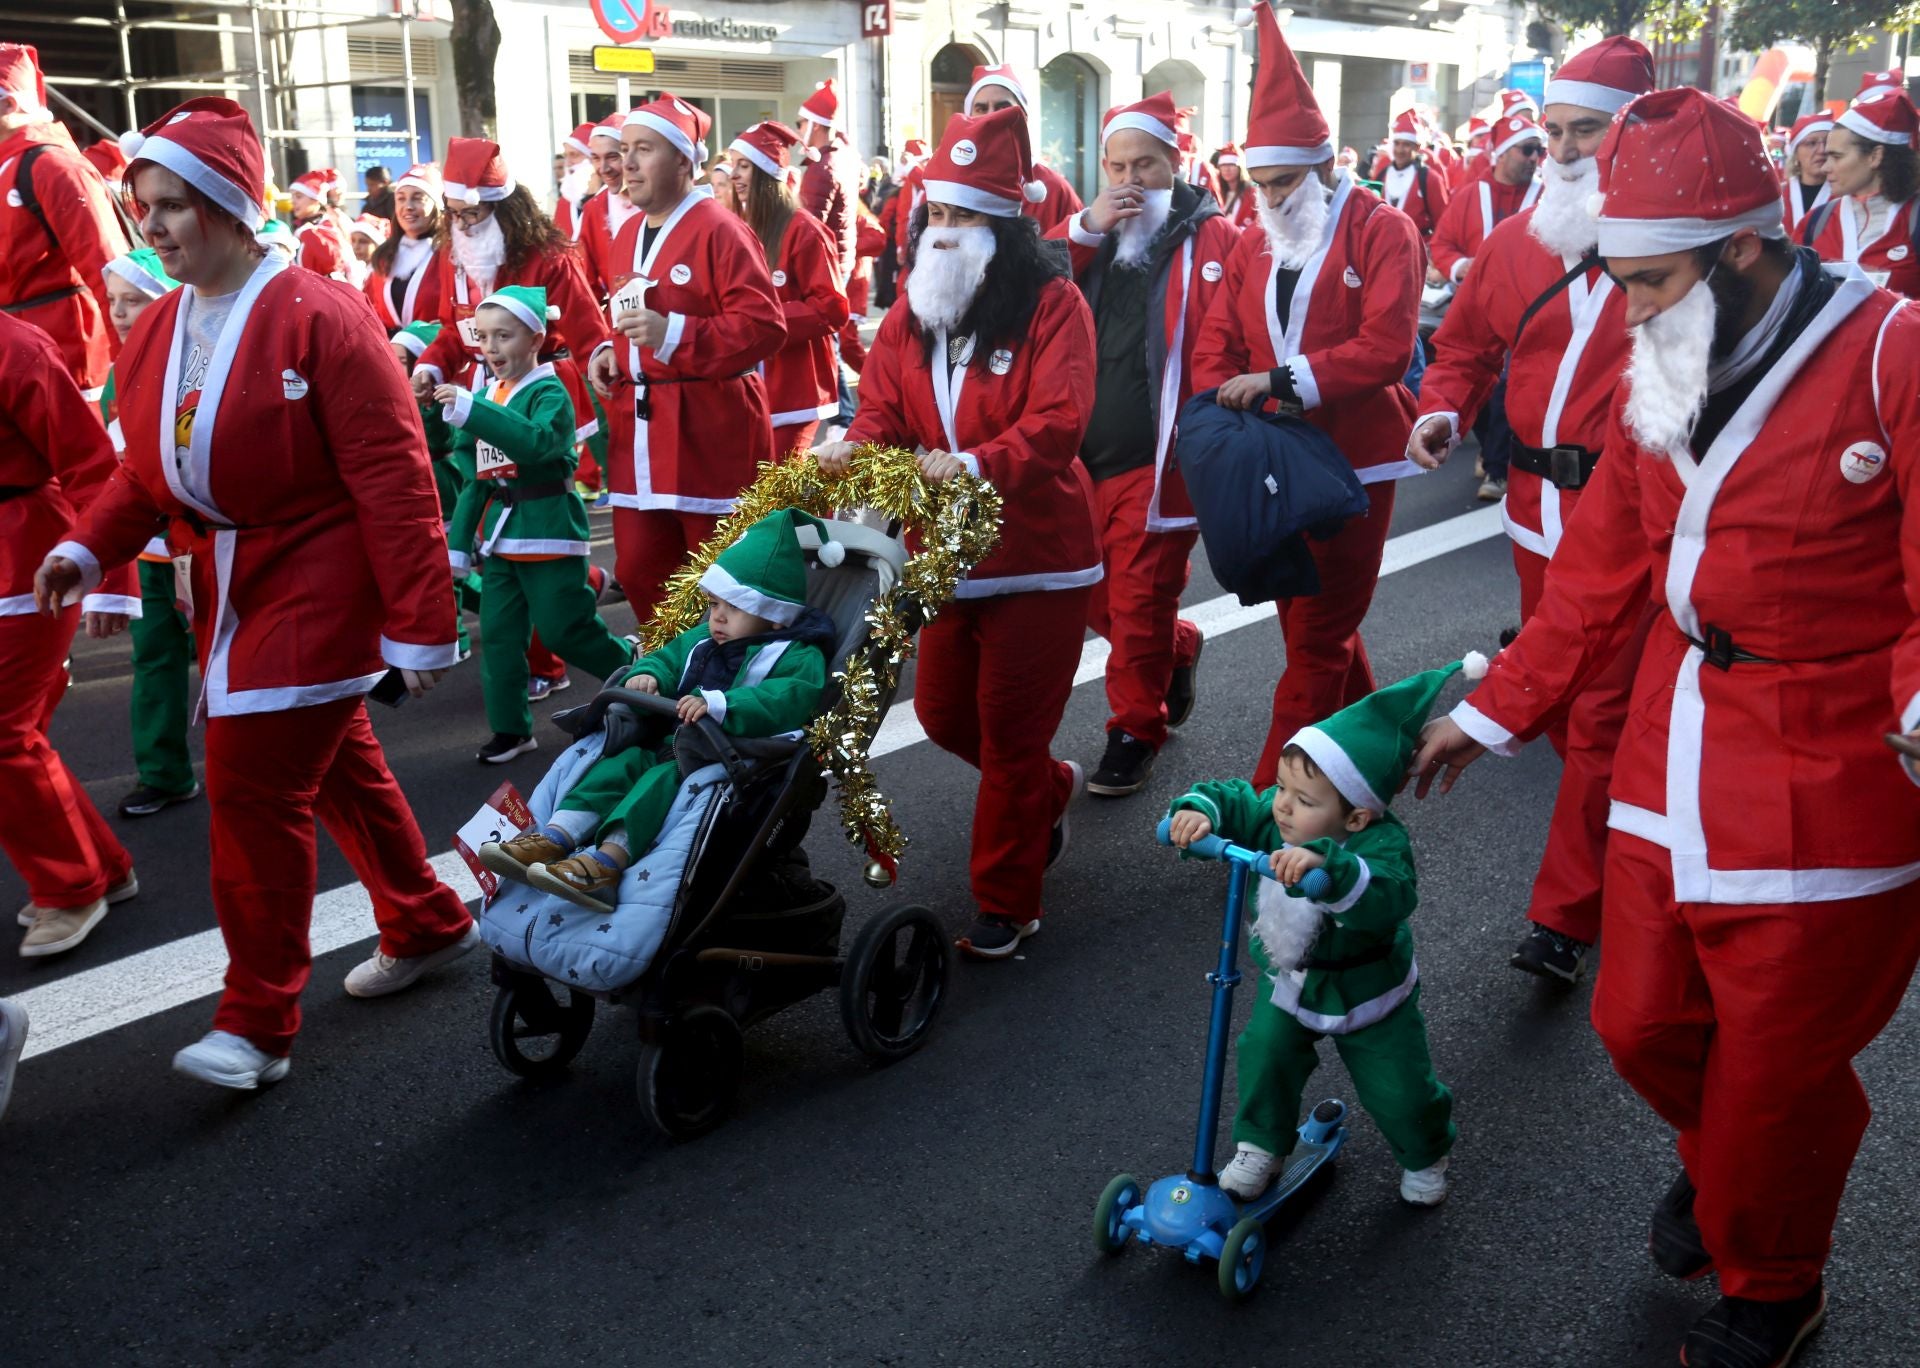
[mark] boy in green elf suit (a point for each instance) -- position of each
(756, 666)
(452, 470)
(521, 517)
(1342, 966)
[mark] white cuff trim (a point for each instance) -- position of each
(1453, 425)
(110, 603)
(459, 410)
(1355, 893)
(1078, 232)
(1459, 271)
(716, 704)
(676, 329)
(1304, 384)
(403, 655)
(89, 564)
(459, 560)
(969, 460)
(439, 376)
(1484, 729)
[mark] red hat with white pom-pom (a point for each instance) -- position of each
(475, 172)
(210, 144)
(424, 177)
(823, 106)
(767, 145)
(316, 183)
(1882, 80)
(1284, 124)
(985, 164)
(577, 139)
(1518, 102)
(683, 125)
(1512, 130)
(21, 81)
(1882, 114)
(1406, 128)
(1605, 76)
(1002, 75)
(1680, 169)
(1228, 155)
(1806, 126)
(1155, 115)
(608, 127)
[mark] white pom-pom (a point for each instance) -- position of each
(1473, 665)
(1595, 203)
(553, 312)
(131, 142)
(1035, 191)
(831, 553)
(1243, 18)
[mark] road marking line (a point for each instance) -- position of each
(94, 1001)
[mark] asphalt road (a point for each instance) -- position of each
(402, 1199)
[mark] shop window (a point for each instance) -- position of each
(1069, 138)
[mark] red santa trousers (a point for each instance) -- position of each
(794, 438)
(1137, 606)
(852, 350)
(1327, 666)
(1738, 1023)
(50, 829)
(268, 776)
(992, 683)
(649, 544)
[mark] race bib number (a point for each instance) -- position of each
(470, 333)
(491, 463)
(504, 815)
(631, 297)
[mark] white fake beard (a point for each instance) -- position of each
(949, 267)
(1137, 233)
(481, 250)
(1667, 376)
(1293, 230)
(1563, 220)
(1287, 926)
(578, 181)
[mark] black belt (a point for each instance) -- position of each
(16, 491)
(40, 299)
(1373, 956)
(643, 412)
(1564, 467)
(529, 491)
(200, 525)
(1722, 654)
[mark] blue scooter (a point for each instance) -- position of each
(1189, 1211)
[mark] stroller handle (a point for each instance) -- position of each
(1315, 883)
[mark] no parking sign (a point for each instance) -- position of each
(629, 21)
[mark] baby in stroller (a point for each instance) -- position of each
(756, 667)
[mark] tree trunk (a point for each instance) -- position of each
(1822, 60)
(1626, 13)
(475, 39)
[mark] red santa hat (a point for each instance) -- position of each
(372, 227)
(1155, 116)
(21, 81)
(1806, 125)
(424, 177)
(1001, 75)
(1407, 128)
(1680, 169)
(210, 144)
(1882, 80)
(577, 139)
(1228, 155)
(1478, 127)
(684, 126)
(1882, 114)
(767, 145)
(1512, 130)
(1284, 124)
(1605, 76)
(914, 152)
(1518, 102)
(476, 172)
(107, 159)
(985, 164)
(608, 127)
(316, 183)
(823, 106)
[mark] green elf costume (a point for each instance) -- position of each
(1342, 966)
(162, 634)
(452, 472)
(522, 519)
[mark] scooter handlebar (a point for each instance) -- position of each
(1315, 883)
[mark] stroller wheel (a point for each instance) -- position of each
(687, 1081)
(894, 982)
(534, 1035)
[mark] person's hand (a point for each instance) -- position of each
(692, 708)
(446, 394)
(1112, 205)
(100, 626)
(1430, 443)
(1907, 746)
(422, 382)
(646, 683)
(419, 682)
(643, 327)
(1434, 277)
(937, 467)
(52, 582)
(1245, 391)
(1290, 866)
(1445, 750)
(602, 370)
(1188, 826)
(834, 458)
(1460, 269)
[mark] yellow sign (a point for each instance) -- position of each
(623, 61)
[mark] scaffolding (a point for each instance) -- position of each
(269, 27)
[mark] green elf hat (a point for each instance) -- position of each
(528, 303)
(275, 236)
(416, 338)
(141, 269)
(764, 573)
(1365, 748)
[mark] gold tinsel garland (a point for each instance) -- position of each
(957, 524)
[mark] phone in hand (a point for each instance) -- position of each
(391, 690)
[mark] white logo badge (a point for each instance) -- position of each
(1352, 279)
(293, 384)
(964, 152)
(1897, 253)
(779, 278)
(1862, 461)
(1000, 362)
(680, 274)
(14, 201)
(178, 117)
(1211, 271)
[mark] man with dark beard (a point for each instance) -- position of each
(987, 366)
(1149, 254)
(1759, 921)
(1317, 311)
(1539, 308)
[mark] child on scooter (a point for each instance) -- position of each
(1342, 967)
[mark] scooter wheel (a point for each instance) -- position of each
(687, 1081)
(1242, 1257)
(534, 1035)
(1109, 1227)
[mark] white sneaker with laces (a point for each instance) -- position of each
(1250, 1173)
(385, 974)
(1425, 1187)
(230, 1061)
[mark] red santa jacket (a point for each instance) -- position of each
(1470, 219)
(1016, 418)
(1245, 208)
(1798, 534)
(1061, 203)
(1888, 258)
(1790, 201)
(829, 190)
(707, 424)
(802, 384)
(601, 220)
(1561, 376)
(59, 264)
(1191, 280)
(417, 300)
(323, 247)
(55, 460)
(1349, 334)
(304, 495)
(1478, 166)
(1419, 192)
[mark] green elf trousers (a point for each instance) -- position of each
(1392, 1074)
(550, 596)
(162, 651)
(632, 791)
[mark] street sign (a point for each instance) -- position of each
(628, 21)
(1419, 73)
(623, 61)
(876, 19)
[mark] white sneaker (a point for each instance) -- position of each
(127, 888)
(1250, 1173)
(13, 1039)
(1057, 838)
(230, 1061)
(1425, 1187)
(385, 974)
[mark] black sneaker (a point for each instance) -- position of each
(1057, 839)
(501, 748)
(1124, 768)
(1182, 689)
(995, 937)
(144, 801)
(1739, 1333)
(1673, 1237)
(1549, 954)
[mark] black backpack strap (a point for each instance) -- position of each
(23, 186)
(1420, 174)
(1814, 222)
(1553, 291)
